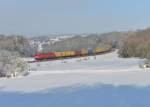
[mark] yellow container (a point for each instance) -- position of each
(84, 51)
(72, 53)
(69, 53)
(65, 54)
(97, 50)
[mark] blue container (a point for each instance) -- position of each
(90, 51)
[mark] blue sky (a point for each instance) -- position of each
(42, 17)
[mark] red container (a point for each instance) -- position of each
(78, 53)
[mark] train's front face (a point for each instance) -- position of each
(38, 56)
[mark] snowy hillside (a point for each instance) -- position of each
(105, 69)
(106, 62)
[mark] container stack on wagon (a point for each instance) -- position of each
(70, 53)
(90, 51)
(84, 51)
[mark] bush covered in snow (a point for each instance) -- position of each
(11, 64)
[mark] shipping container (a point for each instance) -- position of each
(90, 51)
(49, 55)
(94, 51)
(63, 54)
(104, 49)
(84, 51)
(72, 53)
(98, 50)
(58, 54)
(78, 53)
(67, 53)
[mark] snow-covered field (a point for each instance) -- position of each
(104, 69)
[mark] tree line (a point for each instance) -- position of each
(136, 45)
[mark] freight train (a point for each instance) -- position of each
(70, 53)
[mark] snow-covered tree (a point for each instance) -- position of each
(11, 64)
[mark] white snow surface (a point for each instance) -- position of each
(103, 63)
(105, 69)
